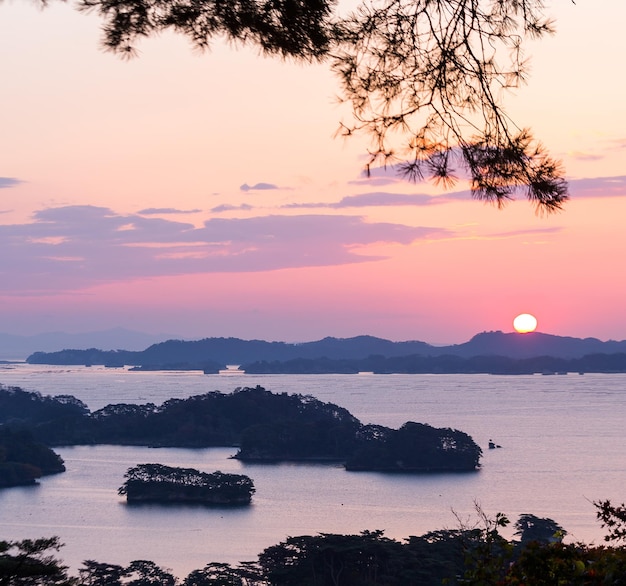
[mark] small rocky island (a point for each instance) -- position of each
(156, 483)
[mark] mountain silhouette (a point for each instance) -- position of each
(533, 344)
(213, 353)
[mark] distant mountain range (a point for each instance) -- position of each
(533, 344)
(14, 347)
(485, 352)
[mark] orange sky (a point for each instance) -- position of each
(205, 195)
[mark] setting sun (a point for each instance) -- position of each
(525, 323)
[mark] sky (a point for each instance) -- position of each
(207, 194)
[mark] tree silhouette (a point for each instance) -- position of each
(529, 527)
(32, 562)
(296, 28)
(424, 77)
(613, 518)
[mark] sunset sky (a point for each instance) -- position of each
(206, 195)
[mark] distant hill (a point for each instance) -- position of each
(210, 354)
(531, 345)
(15, 347)
(236, 351)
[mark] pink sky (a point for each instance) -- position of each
(205, 195)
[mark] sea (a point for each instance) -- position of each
(562, 438)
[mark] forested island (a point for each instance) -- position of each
(265, 426)
(23, 460)
(475, 555)
(167, 484)
(445, 364)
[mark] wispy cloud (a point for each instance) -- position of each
(385, 199)
(598, 187)
(379, 176)
(602, 150)
(527, 232)
(74, 247)
(165, 211)
(619, 144)
(258, 187)
(585, 156)
(226, 207)
(9, 182)
(579, 188)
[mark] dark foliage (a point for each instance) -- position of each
(572, 564)
(23, 460)
(220, 574)
(212, 419)
(17, 406)
(159, 483)
(147, 573)
(366, 559)
(30, 563)
(438, 557)
(51, 420)
(137, 573)
(265, 425)
(327, 559)
(290, 28)
(291, 440)
(100, 574)
(543, 530)
(475, 556)
(613, 518)
(414, 447)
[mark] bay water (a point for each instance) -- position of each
(563, 441)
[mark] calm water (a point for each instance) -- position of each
(563, 438)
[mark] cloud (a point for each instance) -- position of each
(231, 208)
(164, 211)
(258, 187)
(618, 144)
(527, 232)
(379, 176)
(598, 187)
(9, 182)
(75, 247)
(579, 188)
(385, 199)
(400, 199)
(606, 148)
(582, 156)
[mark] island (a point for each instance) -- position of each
(156, 483)
(265, 426)
(23, 460)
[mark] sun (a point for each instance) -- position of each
(525, 323)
